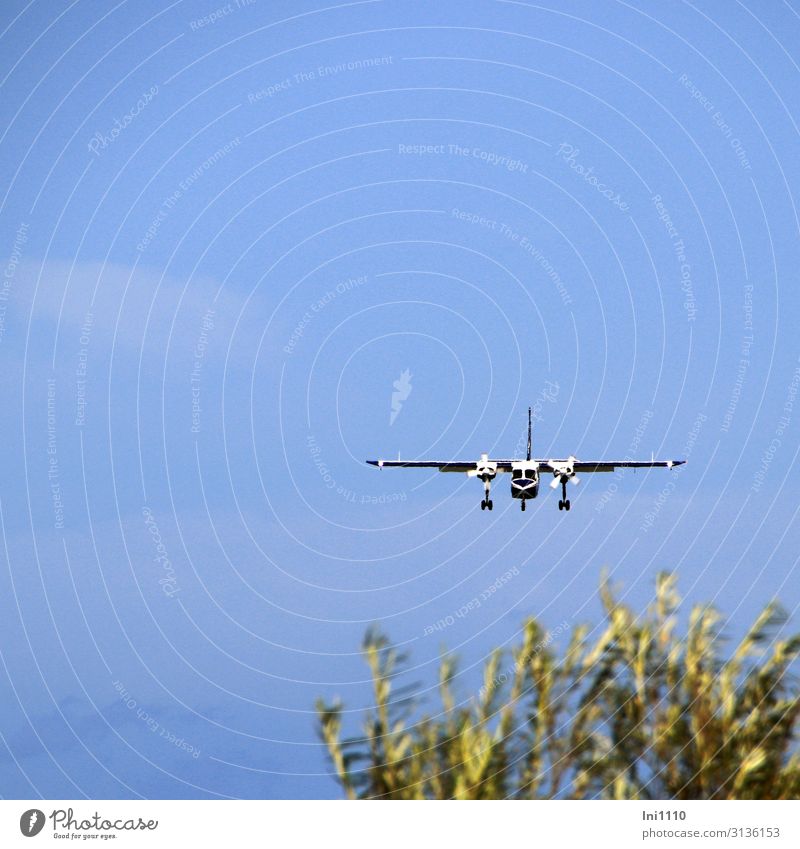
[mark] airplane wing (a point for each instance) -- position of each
(542, 465)
(606, 465)
(441, 465)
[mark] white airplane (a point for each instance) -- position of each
(525, 473)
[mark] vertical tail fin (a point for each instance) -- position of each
(529, 433)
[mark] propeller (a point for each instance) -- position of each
(484, 469)
(563, 472)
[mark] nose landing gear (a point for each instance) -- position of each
(564, 504)
(522, 505)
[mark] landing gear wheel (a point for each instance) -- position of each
(566, 504)
(490, 504)
(522, 505)
(560, 504)
(483, 504)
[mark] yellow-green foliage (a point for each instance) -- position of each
(639, 714)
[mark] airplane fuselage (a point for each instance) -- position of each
(525, 482)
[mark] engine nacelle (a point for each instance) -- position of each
(563, 472)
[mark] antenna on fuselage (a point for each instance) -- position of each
(529, 433)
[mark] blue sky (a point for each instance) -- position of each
(228, 230)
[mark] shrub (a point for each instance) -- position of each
(640, 714)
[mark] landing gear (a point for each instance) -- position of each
(487, 502)
(522, 505)
(563, 504)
